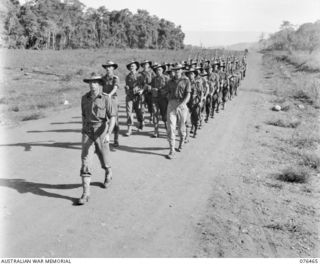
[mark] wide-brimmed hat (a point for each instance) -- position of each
(177, 66)
(133, 62)
(191, 70)
(93, 78)
(110, 63)
(146, 61)
(156, 66)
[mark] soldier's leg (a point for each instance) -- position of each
(156, 118)
(182, 113)
(139, 110)
(129, 109)
(171, 126)
(103, 152)
(213, 105)
(85, 171)
(163, 105)
(116, 129)
(188, 126)
(208, 107)
(149, 105)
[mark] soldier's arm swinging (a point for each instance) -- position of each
(115, 87)
(186, 99)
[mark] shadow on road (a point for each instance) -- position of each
(141, 150)
(28, 146)
(23, 186)
(62, 130)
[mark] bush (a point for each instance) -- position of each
(310, 160)
(284, 124)
(294, 175)
(33, 116)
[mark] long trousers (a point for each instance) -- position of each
(134, 103)
(92, 137)
(176, 112)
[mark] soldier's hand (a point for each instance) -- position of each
(106, 138)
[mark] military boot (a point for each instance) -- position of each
(86, 191)
(181, 143)
(116, 139)
(129, 132)
(186, 139)
(171, 154)
(108, 178)
(156, 131)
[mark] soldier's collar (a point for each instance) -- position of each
(109, 76)
(90, 95)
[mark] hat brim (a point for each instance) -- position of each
(177, 68)
(115, 66)
(160, 66)
(143, 63)
(136, 63)
(92, 80)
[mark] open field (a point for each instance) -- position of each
(248, 186)
(36, 83)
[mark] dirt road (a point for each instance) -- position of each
(201, 204)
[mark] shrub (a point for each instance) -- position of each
(294, 175)
(284, 124)
(310, 160)
(33, 116)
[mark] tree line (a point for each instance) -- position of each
(305, 37)
(68, 24)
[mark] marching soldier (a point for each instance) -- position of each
(146, 77)
(133, 96)
(195, 102)
(159, 91)
(211, 86)
(214, 79)
(224, 84)
(178, 94)
(204, 86)
(98, 119)
(110, 86)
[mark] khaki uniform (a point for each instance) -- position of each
(159, 93)
(146, 78)
(95, 115)
(108, 83)
(133, 99)
(214, 79)
(195, 104)
(178, 89)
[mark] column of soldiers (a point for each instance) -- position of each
(183, 96)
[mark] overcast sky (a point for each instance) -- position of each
(251, 16)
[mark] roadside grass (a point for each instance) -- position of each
(33, 116)
(298, 94)
(305, 61)
(294, 175)
(284, 123)
(310, 160)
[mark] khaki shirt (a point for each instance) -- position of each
(146, 78)
(96, 110)
(133, 82)
(213, 80)
(159, 86)
(178, 88)
(109, 82)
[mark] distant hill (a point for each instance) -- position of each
(220, 38)
(243, 45)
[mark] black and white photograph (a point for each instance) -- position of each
(160, 129)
